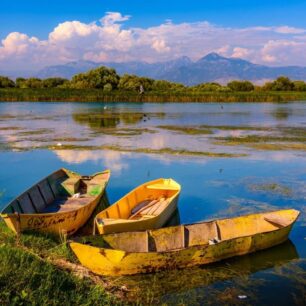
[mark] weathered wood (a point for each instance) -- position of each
(26, 204)
(143, 209)
(196, 234)
(161, 207)
(16, 207)
(37, 199)
(169, 238)
(125, 253)
(45, 209)
(46, 191)
(140, 206)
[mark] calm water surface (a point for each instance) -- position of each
(37, 138)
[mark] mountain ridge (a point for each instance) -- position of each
(210, 68)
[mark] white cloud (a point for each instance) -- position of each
(241, 52)
(289, 30)
(110, 40)
(113, 17)
(160, 46)
(275, 51)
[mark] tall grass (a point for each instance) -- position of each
(97, 95)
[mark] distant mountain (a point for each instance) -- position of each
(210, 68)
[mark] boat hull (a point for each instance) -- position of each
(142, 225)
(115, 218)
(65, 222)
(104, 261)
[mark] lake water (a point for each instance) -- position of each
(199, 145)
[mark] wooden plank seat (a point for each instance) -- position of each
(67, 204)
(278, 221)
(149, 208)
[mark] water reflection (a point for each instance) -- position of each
(101, 118)
(281, 113)
(177, 129)
(169, 285)
(113, 160)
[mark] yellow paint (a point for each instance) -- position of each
(180, 246)
(66, 222)
(116, 217)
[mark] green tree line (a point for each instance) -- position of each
(108, 80)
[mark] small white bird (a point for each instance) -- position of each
(59, 144)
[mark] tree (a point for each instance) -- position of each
(299, 85)
(134, 82)
(241, 86)
(96, 78)
(282, 83)
(5, 82)
(53, 82)
(20, 82)
(208, 87)
(29, 83)
(268, 86)
(162, 85)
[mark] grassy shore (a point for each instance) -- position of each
(37, 269)
(96, 95)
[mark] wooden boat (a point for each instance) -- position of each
(184, 245)
(60, 203)
(148, 206)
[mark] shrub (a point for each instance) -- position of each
(241, 86)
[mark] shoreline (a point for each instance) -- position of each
(96, 95)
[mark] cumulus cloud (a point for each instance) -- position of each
(241, 52)
(110, 40)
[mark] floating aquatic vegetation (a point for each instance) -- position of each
(35, 132)
(236, 127)
(279, 146)
(260, 139)
(10, 128)
(169, 151)
(4, 117)
(241, 206)
(204, 283)
(59, 139)
(123, 131)
(295, 273)
(274, 188)
(189, 130)
(294, 131)
(281, 113)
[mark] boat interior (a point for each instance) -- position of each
(59, 192)
(142, 203)
(184, 236)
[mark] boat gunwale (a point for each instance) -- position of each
(198, 246)
(17, 214)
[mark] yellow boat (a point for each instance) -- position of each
(148, 206)
(60, 203)
(184, 245)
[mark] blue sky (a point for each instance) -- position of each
(39, 17)
(279, 27)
